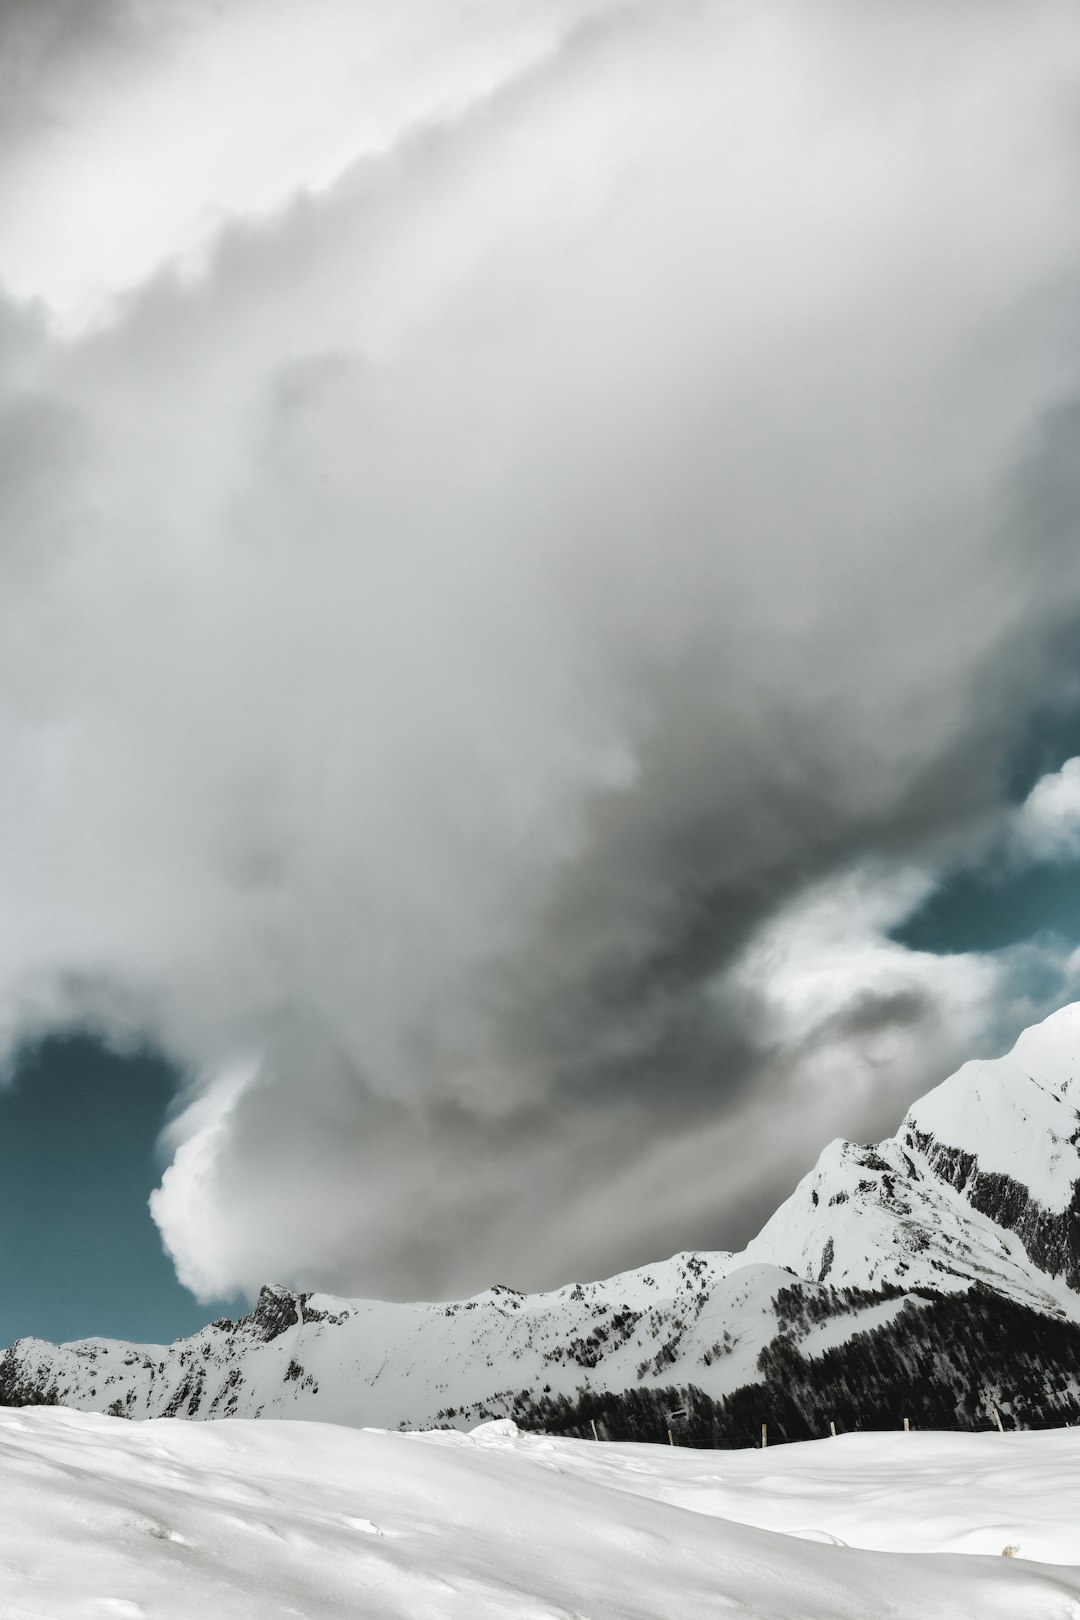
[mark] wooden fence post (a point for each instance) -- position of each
(764, 1435)
(832, 1428)
(594, 1433)
(997, 1420)
(670, 1438)
(907, 1425)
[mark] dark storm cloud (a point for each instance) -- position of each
(43, 42)
(535, 617)
(36, 33)
(680, 866)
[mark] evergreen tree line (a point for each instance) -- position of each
(945, 1363)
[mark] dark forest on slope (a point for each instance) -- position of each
(943, 1366)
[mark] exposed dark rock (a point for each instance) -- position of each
(1051, 1239)
(275, 1313)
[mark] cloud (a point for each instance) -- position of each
(1046, 827)
(139, 129)
(486, 661)
(840, 1027)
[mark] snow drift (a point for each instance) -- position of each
(245, 1521)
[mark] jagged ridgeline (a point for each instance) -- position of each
(934, 1277)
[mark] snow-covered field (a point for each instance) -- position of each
(102, 1518)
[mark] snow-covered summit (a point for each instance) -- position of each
(1019, 1116)
(978, 1186)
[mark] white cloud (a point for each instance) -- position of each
(1046, 827)
(206, 112)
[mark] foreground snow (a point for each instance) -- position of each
(168, 1520)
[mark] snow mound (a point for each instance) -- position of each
(497, 1429)
(165, 1520)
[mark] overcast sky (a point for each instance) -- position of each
(538, 538)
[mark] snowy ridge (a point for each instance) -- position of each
(973, 1201)
(368, 1362)
(977, 1186)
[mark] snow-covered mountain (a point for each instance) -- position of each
(935, 1275)
(981, 1184)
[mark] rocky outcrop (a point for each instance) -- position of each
(1050, 1237)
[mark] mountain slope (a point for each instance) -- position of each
(980, 1185)
(923, 1273)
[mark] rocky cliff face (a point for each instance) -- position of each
(939, 1269)
(1050, 1237)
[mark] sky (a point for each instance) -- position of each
(539, 606)
(80, 1254)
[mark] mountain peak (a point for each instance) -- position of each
(1016, 1115)
(977, 1188)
